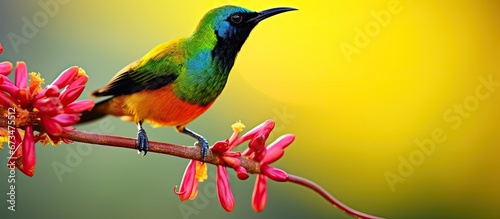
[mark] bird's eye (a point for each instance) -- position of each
(236, 18)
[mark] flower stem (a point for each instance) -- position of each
(326, 195)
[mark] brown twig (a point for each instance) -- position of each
(188, 152)
(317, 188)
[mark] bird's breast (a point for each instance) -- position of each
(163, 107)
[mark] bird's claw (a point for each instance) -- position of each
(142, 142)
(203, 144)
(201, 141)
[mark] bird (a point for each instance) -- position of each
(179, 80)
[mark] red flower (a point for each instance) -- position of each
(224, 192)
(272, 153)
(54, 110)
(265, 157)
(195, 172)
(259, 195)
(231, 158)
(17, 96)
(256, 151)
(5, 68)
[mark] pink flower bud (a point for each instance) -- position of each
(224, 192)
(79, 106)
(66, 77)
(71, 94)
(67, 119)
(21, 76)
(258, 146)
(5, 68)
(276, 149)
(29, 157)
(220, 146)
(82, 80)
(259, 196)
(187, 186)
(274, 173)
(241, 172)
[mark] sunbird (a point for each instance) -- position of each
(179, 80)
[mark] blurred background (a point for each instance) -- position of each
(360, 83)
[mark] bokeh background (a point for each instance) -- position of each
(356, 117)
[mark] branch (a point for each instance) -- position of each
(317, 188)
(190, 152)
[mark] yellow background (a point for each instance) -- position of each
(354, 120)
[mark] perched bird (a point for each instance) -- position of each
(177, 81)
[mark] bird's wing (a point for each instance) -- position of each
(135, 80)
(156, 69)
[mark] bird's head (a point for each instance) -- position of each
(227, 27)
(234, 24)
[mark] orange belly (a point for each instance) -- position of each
(161, 107)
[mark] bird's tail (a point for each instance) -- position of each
(97, 112)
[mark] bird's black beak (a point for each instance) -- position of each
(268, 13)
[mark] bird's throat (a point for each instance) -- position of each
(225, 52)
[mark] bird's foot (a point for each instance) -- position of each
(203, 144)
(142, 142)
(201, 141)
